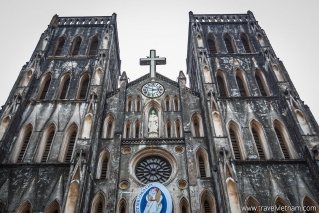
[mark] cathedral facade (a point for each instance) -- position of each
(77, 136)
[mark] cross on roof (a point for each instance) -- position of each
(153, 60)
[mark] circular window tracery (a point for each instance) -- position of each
(153, 169)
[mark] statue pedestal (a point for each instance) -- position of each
(153, 134)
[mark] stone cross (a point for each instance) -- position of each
(153, 60)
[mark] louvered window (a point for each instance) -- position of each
(206, 207)
(94, 46)
(24, 145)
(229, 45)
(47, 147)
(70, 147)
(260, 86)
(59, 49)
(241, 87)
(104, 168)
(99, 208)
(282, 144)
(65, 88)
(246, 44)
(211, 46)
(77, 44)
(221, 86)
(84, 88)
(201, 163)
(45, 89)
(258, 144)
(235, 145)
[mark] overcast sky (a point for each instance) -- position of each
(291, 26)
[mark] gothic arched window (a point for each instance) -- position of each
(212, 45)
(129, 104)
(262, 85)
(229, 43)
(283, 140)
(309, 205)
(246, 43)
(98, 203)
(221, 85)
(253, 205)
(127, 129)
(49, 135)
(168, 129)
(167, 100)
(102, 167)
(122, 206)
(83, 86)
(176, 105)
(44, 86)
(138, 104)
(178, 129)
(281, 203)
(53, 207)
(64, 86)
(93, 46)
(68, 143)
(23, 141)
(184, 206)
(260, 140)
(25, 207)
(137, 129)
(59, 46)
(277, 73)
(197, 128)
(235, 141)
(108, 126)
(241, 83)
(76, 46)
(207, 203)
(202, 163)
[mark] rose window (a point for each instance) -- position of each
(153, 169)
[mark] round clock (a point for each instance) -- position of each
(153, 89)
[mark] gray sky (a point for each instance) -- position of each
(291, 26)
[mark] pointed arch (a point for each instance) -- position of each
(260, 140)
(97, 76)
(98, 203)
(277, 73)
(235, 140)
(208, 204)
(138, 104)
(221, 83)
(303, 123)
(102, 167)
(199, 40)
(197, 125)
(229, 43)
(105, 42)
(246, 43)
(261, 82)
(72, 197)
(261, 40)
(253, 205)
(137, 129)
(25, 207)
(94, 45)
(83, 86)
(76, 46)
(202, 163)
(169, 129)
(27, 78)
(22, 144)
(176, 103)
(211, 41)
(283, 139)
(129, 104)
(279, 202)
(44, 86)
(53, 207)
(184, 206)
(68, 144)
(218, 126)
(46, 143)
(127, 129)
(64, 86)
(122, 206)
(59, 46)
(310, 205)
(242, 83)
(233, 196)
(207, 76)
(109, 123)
(45, 42)
(4, 125)
(178, 129)
(167, 103)
(86, 131)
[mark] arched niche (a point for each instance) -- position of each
(218, 126)
(303, 123)
(86, 131)
(147, 111)
(4, 125)
(72, 197)
(207, 76)
(232, 192)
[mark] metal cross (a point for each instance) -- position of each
(153, 60)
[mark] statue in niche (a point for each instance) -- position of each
(153, 125)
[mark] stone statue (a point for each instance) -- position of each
(153, 122)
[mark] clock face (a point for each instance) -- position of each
(153, 89)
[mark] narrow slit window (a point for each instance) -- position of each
(104, 168)
(201, 163)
